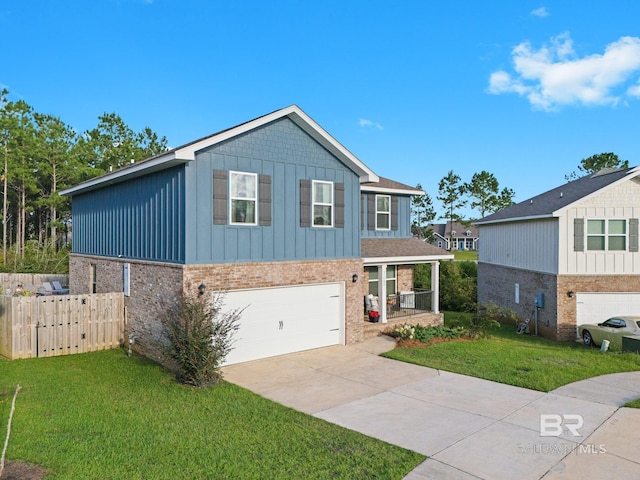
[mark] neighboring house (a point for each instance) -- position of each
(454, 236)
(274, 212)
(568, 256)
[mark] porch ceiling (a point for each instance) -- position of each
(376, 251)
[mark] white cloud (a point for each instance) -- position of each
(364, 123)
(540, 12)
(552, 76)
(634, 91)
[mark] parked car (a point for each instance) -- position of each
(612, 329)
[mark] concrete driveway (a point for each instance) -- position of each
(469, 428)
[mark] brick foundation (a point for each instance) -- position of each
(155, 286)
(423, 319)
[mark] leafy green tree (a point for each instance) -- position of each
(422, 213)
(458, 286)
(483, 190)
(20, 163)
(113, 144)
(451, 192)
(58, 168)
(504, 199)
(40, 155)
(595, 163)
(485, 194)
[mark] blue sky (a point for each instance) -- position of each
(524, 90)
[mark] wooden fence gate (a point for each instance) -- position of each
(53, 325)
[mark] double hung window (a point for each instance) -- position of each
(243, 193)
(322, 204)
(383, 212)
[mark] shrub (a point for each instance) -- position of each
(458, 286)
(486, 319)
(424, 334)
(199, 338)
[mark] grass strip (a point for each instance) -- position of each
(104, 415)
(520, 360)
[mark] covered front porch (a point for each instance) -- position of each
(389, 272)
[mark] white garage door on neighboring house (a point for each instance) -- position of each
(283, 320)
(597, 307)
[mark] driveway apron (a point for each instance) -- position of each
(468, 427)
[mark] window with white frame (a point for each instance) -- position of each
(373, 280)
(607, 235)
(391, 280)
(322, 204)
(383, 212)
(243, 193)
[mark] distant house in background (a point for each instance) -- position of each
(454, 236)
(568, 256)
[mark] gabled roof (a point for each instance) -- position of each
(444, 229)
(384, 185)
(187, 152)
(552, 202)
(400, 251)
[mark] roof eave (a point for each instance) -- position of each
(405, 260)
(188, 152)
(159, 163)
(396, 191)
(516, 219)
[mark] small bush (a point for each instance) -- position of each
(486, 319)
(199, 338)
(425, 334)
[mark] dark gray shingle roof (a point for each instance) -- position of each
(390, 184)
(553, 200)
(399, 247)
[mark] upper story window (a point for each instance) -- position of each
(383, 212)
(322, 203)
(607, 235)
(243, 193)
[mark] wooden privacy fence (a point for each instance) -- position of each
(53, 325)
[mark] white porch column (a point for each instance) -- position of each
(382, 290)
(435, 286)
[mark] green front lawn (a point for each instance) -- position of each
(465, 255)
(520, 360)
(104, 415)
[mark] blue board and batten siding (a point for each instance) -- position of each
(403, 219)
(140, 219)
(167, 216)
(287, 154)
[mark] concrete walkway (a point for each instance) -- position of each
(468, 427)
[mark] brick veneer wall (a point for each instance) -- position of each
(557, 319)
(404, 278)
(155, 286)
(497, 284)
(423, 319)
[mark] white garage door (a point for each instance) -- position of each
(283, 320)
(597, 307)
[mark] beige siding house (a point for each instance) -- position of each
(568, 256)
